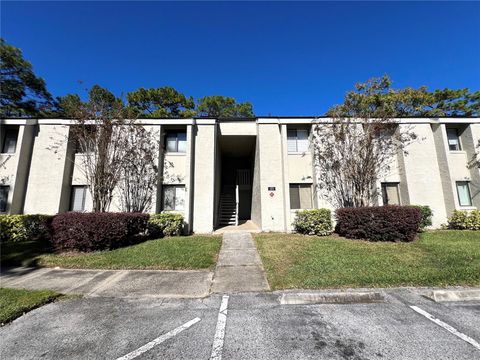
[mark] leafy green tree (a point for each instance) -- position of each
(357, 146)
(223, 107)
(164, 102)
(99, 98)
(22, 92)
(378, 98)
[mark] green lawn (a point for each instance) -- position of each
(16, 302)
(183, 252)
(438, 258)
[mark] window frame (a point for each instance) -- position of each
(174, 132)
(175, 186)
(384, 186)
(297, 151)
(467, 183)
(7, 192)
(297, 186)
(7, 130)
(72, 197)
(459, 143)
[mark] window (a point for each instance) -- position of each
(390, 194)
(78, 198)
(174, 197)
(300, 196)
(453, 140)
(463, 191)
(4, 198)
(297, 140)
(176, 141)
(9, 145)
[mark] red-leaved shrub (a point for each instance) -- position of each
(379, 223)
(96, 231)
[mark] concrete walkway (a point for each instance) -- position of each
(112, 283)
(239, 268)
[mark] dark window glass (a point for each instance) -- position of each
(390, 194)
(300, 196)
(4, 198)
(78, 198)
(9, 145)
(463, 192)
(176, 141)
(453, 140)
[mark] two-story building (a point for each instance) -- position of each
(225, 171)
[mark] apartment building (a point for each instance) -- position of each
(221, 172)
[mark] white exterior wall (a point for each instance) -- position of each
(423, 174)
(271, 175)
(204, 176)
(9, 165)
(426, 175)
(47, 170)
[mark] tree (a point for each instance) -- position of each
(22, 92)
(359, 144)
(165, 102)
(101, 132)
(223, 107)
(139, 169)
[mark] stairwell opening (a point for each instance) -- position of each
(235, 166)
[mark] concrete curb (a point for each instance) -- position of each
(454, 295)
(331, 298)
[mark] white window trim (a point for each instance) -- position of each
(296, 141)
(177, 153)
(464, 207)
(460, 145)
(163, 197)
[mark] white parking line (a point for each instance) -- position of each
(447, 327)
(220, 330)
(159, 340)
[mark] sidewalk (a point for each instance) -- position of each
(112, 283)
(239, 268)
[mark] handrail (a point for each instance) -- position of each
(236, 205)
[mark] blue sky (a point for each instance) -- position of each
(286, 58)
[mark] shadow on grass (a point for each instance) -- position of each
(22, 253)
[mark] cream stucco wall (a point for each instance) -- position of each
(271, 175)
(9, 165)
(423, 174)
(237, 128)
(426, 175)
(46, 170)
(204, 176)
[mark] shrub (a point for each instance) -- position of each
(427, 214)
(166, 224)
(96, 231)
(464, 220)
(380, 223)
(313, 222)
(25, 227)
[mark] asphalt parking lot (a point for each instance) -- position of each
(249, 326)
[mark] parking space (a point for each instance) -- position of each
(256, 326)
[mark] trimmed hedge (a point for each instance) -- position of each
(427, 214)
(379, 223)
(464, 220)
(313, 222)
(165, 224)
(16, 228)
(96, 231)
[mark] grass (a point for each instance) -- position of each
(21, 253)
(174, 253)
(438, 258)
(16, 302)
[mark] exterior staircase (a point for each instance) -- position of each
(228, 208)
